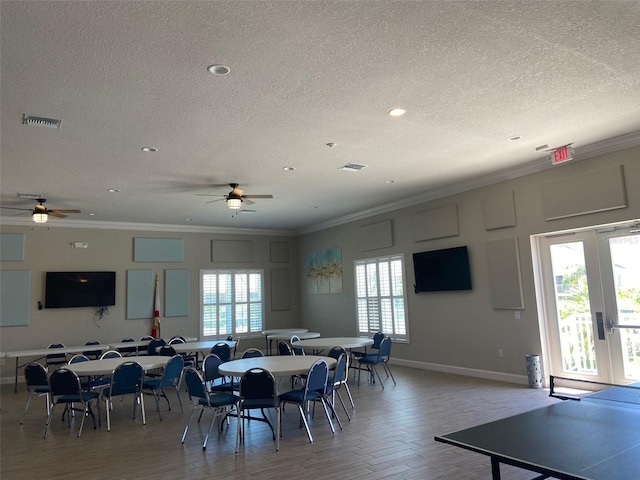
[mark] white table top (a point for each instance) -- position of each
(46, 351)
(292, 331)
(200, 346)
(330, 342)
(279, 365)
(287, 336)
(108, 365)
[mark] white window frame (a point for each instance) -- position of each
(238, 309)
(381, 297)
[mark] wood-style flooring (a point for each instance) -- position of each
(390, 436)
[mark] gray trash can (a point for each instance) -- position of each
(534, 371)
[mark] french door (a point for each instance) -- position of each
(591, 303)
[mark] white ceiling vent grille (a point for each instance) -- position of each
(31, 196)
(41, 121)
(352, 167)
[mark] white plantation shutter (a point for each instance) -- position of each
(231, 302)
(380, 296)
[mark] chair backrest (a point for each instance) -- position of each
(222, 350)
(177, 339)
(259, 384)
(210, 366)
(252, 353)
(35, 375)
(294, 349)
(92, 354)
(126, 350)
(167, 351)
(78, 358)
(284, 348)
(56, 358)
(317, 378)
(340, 371)
(154, 345)
(377, 338)
(385, 349)
(127, 378)
(111, 354)
(64, 382)
(172, 372)
(195, 385)
(146, 337)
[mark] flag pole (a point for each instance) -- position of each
(155, 329)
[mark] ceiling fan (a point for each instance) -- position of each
(40, 213)
(235, 198)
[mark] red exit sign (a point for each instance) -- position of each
(562, 154)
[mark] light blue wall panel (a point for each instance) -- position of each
(11, 247)
(176, 293)
(14, 297)
(139, 294)
(158, 249)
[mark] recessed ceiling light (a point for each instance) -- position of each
(188, 219)
(149, 149)
(514, 138)
(218, 69)
(390, 181)
(331, 144)
(397, 112)
(113, 190)
(289, 169)
(92, 214)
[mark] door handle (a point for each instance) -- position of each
(600, 325)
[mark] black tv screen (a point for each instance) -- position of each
(80, 289)
(442, 270)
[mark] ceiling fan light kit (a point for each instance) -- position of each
(40, 217)
(234, 203)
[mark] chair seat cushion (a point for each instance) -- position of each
(225, 387)
(122, 391)
(152, 383)
(41, 389)
(370, 360)
(250, 403)
(220, 399)
(298, 395)
(83, 397)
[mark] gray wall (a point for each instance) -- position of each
(48, 248)
(462, 330)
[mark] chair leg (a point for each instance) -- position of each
(346, 386)
(49, 417)
(344, 407)
(107, 400)
(326, 405)
(303, 417)
(26, 408)
(184, 434)
(388, 370)
(375, 371)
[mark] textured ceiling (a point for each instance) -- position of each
(125, 75)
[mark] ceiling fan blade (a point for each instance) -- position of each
(56, 214)
(16, 208)
(257, 196)
(246, 201)
(209, 195)
(63, 211)
(217, 200)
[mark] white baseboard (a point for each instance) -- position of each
(468, 372)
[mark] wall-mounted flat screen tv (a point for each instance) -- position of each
(442, 270)
(80, 289)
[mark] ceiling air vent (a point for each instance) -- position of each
(31, 196)
(352, 167)
(41, 121)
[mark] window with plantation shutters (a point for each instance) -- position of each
(231, 303)
(380, 296)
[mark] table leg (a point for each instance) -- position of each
(495, 468)
(15, 386)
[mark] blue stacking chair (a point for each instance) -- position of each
(221, 402)
(170, 378)
(370, 361)
(313, 390)
(37, 381)
(65, 388)
(127, 379)
(258, 390)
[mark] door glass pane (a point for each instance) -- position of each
(573, 308)
(625, 262)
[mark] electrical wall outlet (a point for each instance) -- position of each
(517, 315)
(500, 353)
